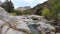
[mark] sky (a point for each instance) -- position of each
(22, 3)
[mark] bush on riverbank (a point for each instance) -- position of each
(46, 13)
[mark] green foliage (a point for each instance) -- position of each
(38, 12)
(32, 33)
(14, 14)
(46, 13)
(18, 12)
(8, 6)
(38, 9)
(55, 4)
(28, 12)
(25, 12)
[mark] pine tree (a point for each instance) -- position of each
(8, 6)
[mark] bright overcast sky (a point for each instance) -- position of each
(22, 3)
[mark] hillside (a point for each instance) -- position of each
(23, 8)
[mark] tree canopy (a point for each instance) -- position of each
(8, 6)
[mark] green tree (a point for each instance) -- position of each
(8, 6)
(18, 12)
(55, 4)
(38, 9)
(46, 13)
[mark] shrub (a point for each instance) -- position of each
(46, 13)
(18, 12)
(14, 14)
(32, 33)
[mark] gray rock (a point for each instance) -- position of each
(45, 27)
(23, 26)
(13, 23)
(1, 23)
(8, 30)
(57, 33)
(35, 17)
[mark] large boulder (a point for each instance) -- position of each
(57, 33)
(23, 26)
(45, 27)
(25, 19)
(12, 31)
(7, 30)
(13, 23)
(35, 17)
(1, 24)
(38, 18)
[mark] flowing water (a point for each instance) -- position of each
(33, 28)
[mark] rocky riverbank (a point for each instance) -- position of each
(24, 24)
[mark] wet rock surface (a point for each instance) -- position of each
(34, 29)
